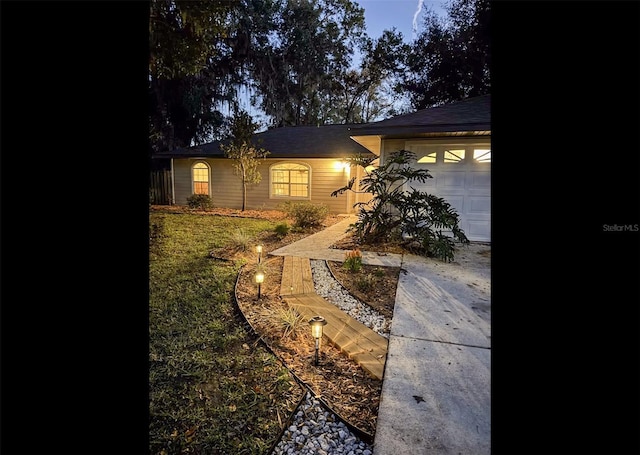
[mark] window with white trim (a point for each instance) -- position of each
(200, 173)
(289, 181)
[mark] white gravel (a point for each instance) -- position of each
(326, 286)
(316, 431)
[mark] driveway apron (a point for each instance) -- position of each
(436, 388)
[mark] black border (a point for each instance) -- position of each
(565, 136)
(75, 233)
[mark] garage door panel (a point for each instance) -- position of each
(430, 183)
(478, 205)
(456, 201)
(479, 180)
(451, 179)
(478, 230)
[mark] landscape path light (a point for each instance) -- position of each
(317, 323)
(259, 279)
(259, 251)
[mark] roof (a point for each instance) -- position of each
(325, 141)
(469, 115)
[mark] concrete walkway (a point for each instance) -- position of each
(436, 388)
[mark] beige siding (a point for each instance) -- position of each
(226, 187)
(182, 184)
(360, 197)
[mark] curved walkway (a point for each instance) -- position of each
(436, 387)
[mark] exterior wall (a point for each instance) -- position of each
(359, 197)
(390, 146)
(226, 187)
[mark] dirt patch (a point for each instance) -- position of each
(349, 243)
(271, 215)
(374, 285)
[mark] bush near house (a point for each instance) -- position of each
(199, 201)
(305, 214)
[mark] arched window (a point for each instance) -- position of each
(289, 181)
(200, 173)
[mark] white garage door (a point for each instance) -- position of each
(462, 176)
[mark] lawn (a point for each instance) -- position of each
(213, 388)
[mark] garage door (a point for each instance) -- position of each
(462, 176)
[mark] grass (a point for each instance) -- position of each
(213, 389)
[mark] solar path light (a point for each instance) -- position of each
(259, 279)
(317, 323)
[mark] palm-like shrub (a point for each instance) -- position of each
(393, 214)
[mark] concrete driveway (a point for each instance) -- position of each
(436, 391)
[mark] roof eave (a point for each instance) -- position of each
(400, 131)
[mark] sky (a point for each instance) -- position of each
(404, 15)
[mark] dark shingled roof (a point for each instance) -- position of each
(471, 114)
(325, 141)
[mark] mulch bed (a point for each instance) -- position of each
(345, 386)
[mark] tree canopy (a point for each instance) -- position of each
(450, 60)
(296, 59)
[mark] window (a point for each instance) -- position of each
(428, 158)
(289, 180)
(453, 156)
(482, 155)
(200, 172)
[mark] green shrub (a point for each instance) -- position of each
(353, 261)
(365, 282)
(291, 321)
(282, 229)
(306, 214)
(240, 239)
(199, 201)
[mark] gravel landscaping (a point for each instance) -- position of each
(317, 431)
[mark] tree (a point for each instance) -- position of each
(198, 53)
(450, 60)
(295, 56)
(393, 214)
(362, 94)
(245, 155)
(296, 70)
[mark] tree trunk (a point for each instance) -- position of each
(244, 194)
(244, 187)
